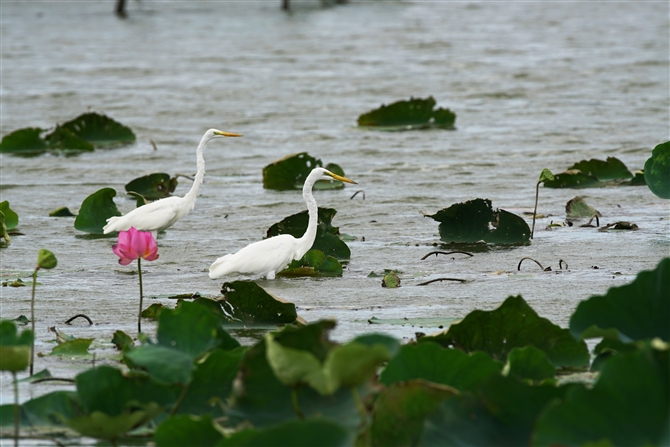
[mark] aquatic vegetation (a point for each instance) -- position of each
(81, 134)
(45, 260)
(411, 114)
(95, 210)
(290, 173)
(593, 173)
(153, 186)
(314, 263)
(657, 170)
(577, 208)
(8, 220)
(545, 175)
(475, 221)
(134, 244)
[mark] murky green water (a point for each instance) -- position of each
(534, 85)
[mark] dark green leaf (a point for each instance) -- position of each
(529, 363)
(475, 221)
(153, 186)
(657, 171)
(628, 405)
(577, 208)
(14, 349)
(391, 280)
(152, 312)
(95, 210)
(546, 175)
(47, 410)
(166, 365)
(307, 433)
(11, 219)
(415, 113)
(46, 259)
(611, 169)
(9, 337)
(249, 303)
(78, 346)
(289, 172)
(400, 411)
(314, 263)
(185, 430)
(66, 140)
(572, 178)
(122, 341)
(638, 310)
(99, 130)
(63, 211)
(27, 140)
(513, 325)
(433, 363)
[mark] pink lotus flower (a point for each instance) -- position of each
(135, 244)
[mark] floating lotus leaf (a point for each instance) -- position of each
(401, 409)
(391, 280)
(64, 139)
(152, 312)
(308, 432)
(611, 169)
(577, 208)
(249, 303)
(529, 363)
(100, 130)
(314, 263)
(153, 186)
(11, 219)
(78, 346)
(184, 430)
(327, 239)
(27, 141)
(122, 341)
(475, 221)
(95, 210)
(628, 405)
(14, 349)
(638, 179)
(47, 410)
(432, 362)
(164, 364)
(572, 178)
(291, 172)
(639, 310)
(657, 171)
(513, 325)
(62, 211)
(413, 114)
(502, 412)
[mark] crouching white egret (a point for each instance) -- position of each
(270, 256)
(163, 213)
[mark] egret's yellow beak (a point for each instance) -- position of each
(340, 178)
(227, 134)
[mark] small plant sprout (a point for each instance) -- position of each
(45, 260)
(545, 175)
(135, 244)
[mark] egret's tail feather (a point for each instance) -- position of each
(110, 225)
(219, 267)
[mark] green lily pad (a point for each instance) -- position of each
(11, 219)
(327, 239)
(401, 409)
(25, 141)
(63, 139)
(247, 302)
(432, 362)
(611, 169)
(657, 171)
(95, 210)
(572, 178)
(291, 171)
(76, 347)
(47, 410)
(100, 130)
(513, 325)
(314, 264)
(183, 430)
(62, 211)
(14, 349)
(475, 221)
(577, 208)
(628, 405)
(413, 114)
(122, 341)
(152, 312)
(309, 432)
(391, 280)
(639, 310)
(529, 363)
(153, 186)
(164, 364)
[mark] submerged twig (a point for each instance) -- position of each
(446, 253)
(356, 193)
(442, 279)
(560, 264)
(153, 144)
(79, 316)
(535, 261)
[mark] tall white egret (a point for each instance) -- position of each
(270, 256)
(163, 213)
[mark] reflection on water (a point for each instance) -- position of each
(534, 85)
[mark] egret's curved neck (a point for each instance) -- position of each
(200, 174)
(306, 241)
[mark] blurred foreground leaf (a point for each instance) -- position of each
(657, 171)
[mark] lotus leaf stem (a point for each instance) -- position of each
(441, 279)
(16, 406)
(79, 316)
(179, 401)
(356, 193)
(522, 259)
(32, 320)
(560, 264)
(296, 406)
(595, 216)
(445, 253)
(537, 195)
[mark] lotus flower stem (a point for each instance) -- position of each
(296, 406)
(537, 195)
(139, 315)
(32, 320)
(16, 405)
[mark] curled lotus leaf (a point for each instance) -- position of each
(247, 302)
(610, 169)
(10, 218)
(415, 113)
(27, 141)
(572, 178)
(153, 186)
(290, 172)
(64, 139)
(657, 171)
(577, 208)
(99, 130)
(314, 263)
(95, 210)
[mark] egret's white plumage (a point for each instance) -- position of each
(161, 214)
(270, 256)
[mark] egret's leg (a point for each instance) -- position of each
(270, 275)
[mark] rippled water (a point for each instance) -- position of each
(534, 85)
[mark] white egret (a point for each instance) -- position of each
(163, 213)
(270, 256)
